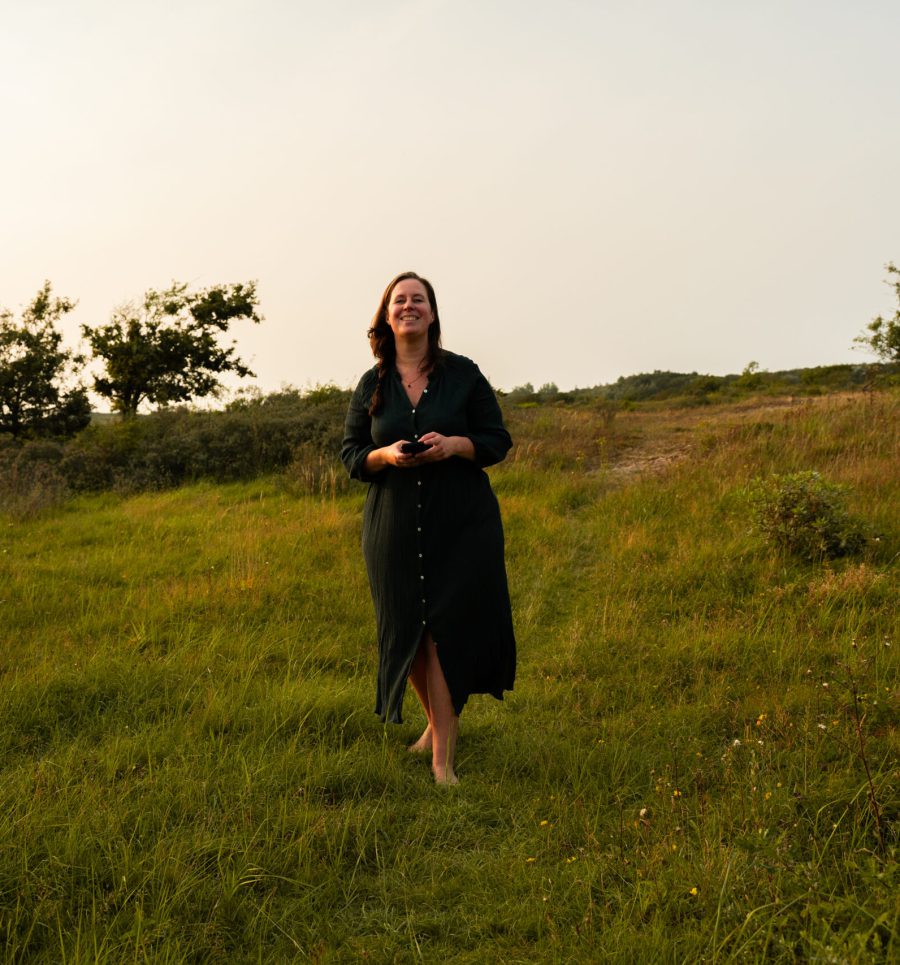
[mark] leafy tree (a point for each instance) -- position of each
(33, 370)
(883, 336)
(165, 350)
(751, 377)
(521, 393)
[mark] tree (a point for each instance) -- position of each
(884, 333)
(33, 371)
(165, 350)
(751, 377)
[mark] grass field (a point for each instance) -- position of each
(700, 760)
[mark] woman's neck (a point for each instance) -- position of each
(411, 355)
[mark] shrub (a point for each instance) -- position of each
(804, 515)
(250, 437)
(30, 477)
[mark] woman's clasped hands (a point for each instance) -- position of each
(441, 447)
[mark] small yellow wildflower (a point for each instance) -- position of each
(530, 860)
(768, 795)
(544, 823)
(695, 891)
(676, 793)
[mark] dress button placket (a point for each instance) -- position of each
(419, 528)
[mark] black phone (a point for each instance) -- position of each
(414, 448)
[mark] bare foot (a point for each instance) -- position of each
(423, 744)
(445, 776)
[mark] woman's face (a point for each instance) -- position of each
(408, 310)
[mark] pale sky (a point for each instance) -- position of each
(594, 188)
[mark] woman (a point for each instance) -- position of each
(432, 536)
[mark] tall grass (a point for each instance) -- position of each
(191, 770)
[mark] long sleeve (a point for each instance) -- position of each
(358, 442)
(486, 430)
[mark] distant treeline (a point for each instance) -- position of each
(692, 388)
(299, 432)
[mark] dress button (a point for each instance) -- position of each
(418, 529)
(419, 482)
(416, 436)
(423, 599)
(421, 576)
(413, 411)
(418, 505)
(420, 556)
(426, 391)
(423, 623)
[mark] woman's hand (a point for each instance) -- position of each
(443, 447)
(391, 455)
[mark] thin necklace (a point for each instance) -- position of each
(418, 378)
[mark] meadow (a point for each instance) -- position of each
(700, 760)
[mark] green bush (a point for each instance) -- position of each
(804, 515)
(251, 437)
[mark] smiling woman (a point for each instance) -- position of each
(432, 535)
(409, 311)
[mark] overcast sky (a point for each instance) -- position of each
(595, 188)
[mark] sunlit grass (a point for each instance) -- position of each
(191, 769)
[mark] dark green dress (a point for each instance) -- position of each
(432, 536)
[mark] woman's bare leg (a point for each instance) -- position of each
(444, 722)
(419, 681)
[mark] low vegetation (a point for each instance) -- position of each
(803, 514)
(699, 761)
(284, 431)
(299, 431)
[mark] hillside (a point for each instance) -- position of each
(700, 760)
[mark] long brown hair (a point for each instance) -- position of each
(381, 336)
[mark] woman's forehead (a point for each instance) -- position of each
(409, 286)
